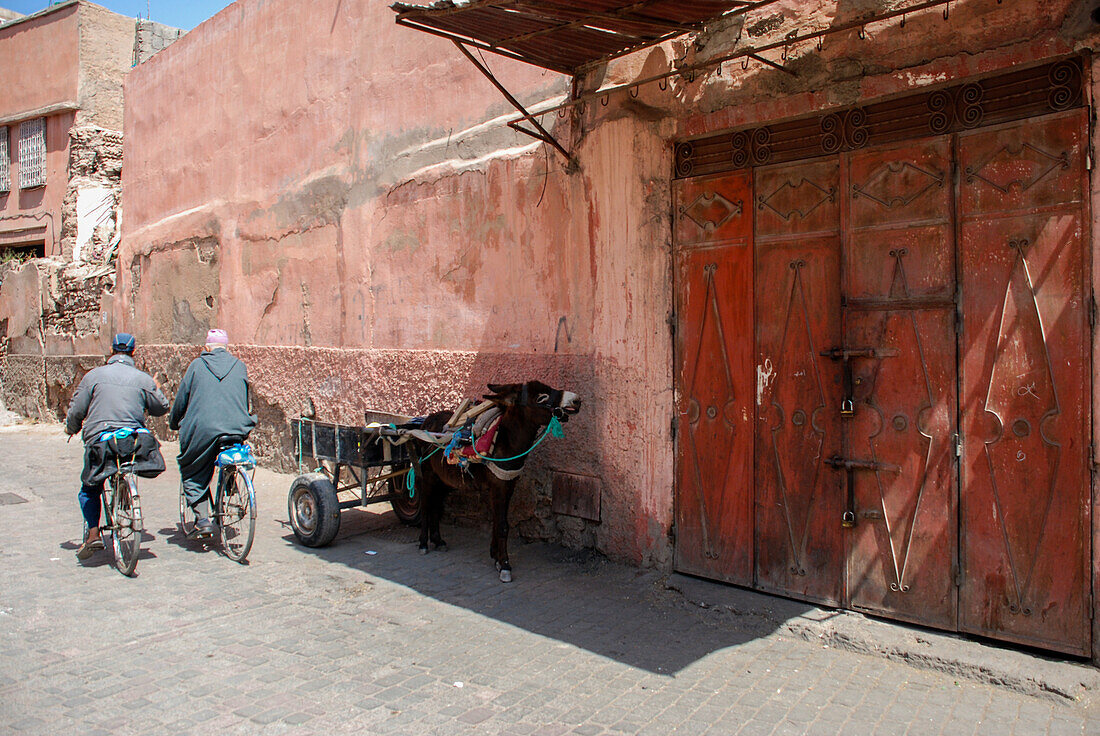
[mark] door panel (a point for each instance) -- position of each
(713, 209)
(798, 199)
(714, 533)
(900, 326)
(799, 542)
(904, 543)
(1025, 390)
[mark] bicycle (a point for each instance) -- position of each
(234, 502)
(122, 511)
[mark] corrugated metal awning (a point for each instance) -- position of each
(566, 35)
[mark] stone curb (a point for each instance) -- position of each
(1021, 671)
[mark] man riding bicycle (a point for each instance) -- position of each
(113, 396)
(210, 412)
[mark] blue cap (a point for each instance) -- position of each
(123, 343)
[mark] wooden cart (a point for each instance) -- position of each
(354, 467)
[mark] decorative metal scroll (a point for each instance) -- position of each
(1013, 96)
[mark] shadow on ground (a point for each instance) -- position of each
(575, 597)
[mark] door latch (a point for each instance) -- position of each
(847, 404)
(850, 466)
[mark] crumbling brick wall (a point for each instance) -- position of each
(71, 308)
(91, 212)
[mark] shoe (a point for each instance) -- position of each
(88, 548)
(204, 527)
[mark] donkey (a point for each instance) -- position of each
(527, 408)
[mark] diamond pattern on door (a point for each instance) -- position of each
(714, 381)
(1022, 400)
(1026, 500)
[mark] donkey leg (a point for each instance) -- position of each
(498, 547)
(435, 511)
(428, 491)
(423, 546)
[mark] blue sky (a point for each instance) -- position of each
(184, 14)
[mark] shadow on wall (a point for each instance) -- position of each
(578, 598)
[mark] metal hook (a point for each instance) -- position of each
(903, 18)
(604, 100)
(719, 70)
(634, 91)
(663, 83)
(691, 76)
(561, 113)
(820, 44)
(947, 11)
(745, 64)
(783, 56)
(582, 108)
(862, 33)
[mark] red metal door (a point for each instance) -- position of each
(1025, 502)
(799, 542)
(714, 493)
(899, 330)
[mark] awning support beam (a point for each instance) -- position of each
(540, 133)
(772, 64)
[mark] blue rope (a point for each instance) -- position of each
(553, 428)
(410, 477)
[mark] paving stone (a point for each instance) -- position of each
(333, 641)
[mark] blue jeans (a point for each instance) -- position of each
(89, 498)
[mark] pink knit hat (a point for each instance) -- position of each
(217, 336)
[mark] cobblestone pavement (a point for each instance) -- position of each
(343, 641)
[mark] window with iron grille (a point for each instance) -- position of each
(5, 161)
(32, 153)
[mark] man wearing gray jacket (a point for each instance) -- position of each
(112, 396)
(210, 412)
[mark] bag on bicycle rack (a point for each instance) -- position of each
(238, 454)
(135, 447)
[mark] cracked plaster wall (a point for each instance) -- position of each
(382, 241)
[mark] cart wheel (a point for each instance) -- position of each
(405, 508)
(314, 509)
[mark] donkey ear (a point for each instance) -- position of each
(505, 393)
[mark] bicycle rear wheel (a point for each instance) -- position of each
(237, 514)
(126, 524)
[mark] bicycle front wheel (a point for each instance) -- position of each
(126, 524)
(237, 514)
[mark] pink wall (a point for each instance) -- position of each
(40, 58)
(333, 190)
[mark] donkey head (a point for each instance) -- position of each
(537, 399)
